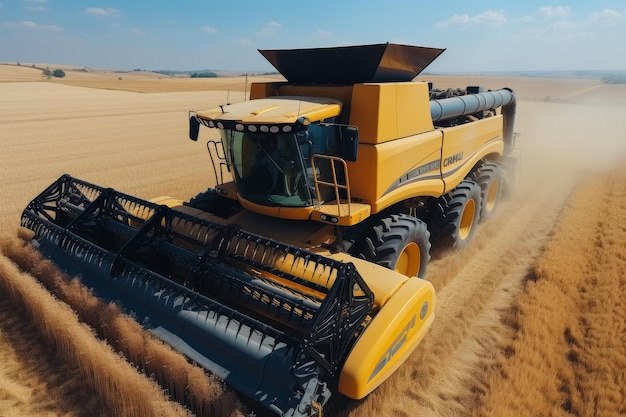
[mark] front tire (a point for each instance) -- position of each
(399, 242)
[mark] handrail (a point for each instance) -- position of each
(335, 182)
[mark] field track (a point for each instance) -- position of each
(531, 318)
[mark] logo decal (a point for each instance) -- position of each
(393, 349)
(453, 159)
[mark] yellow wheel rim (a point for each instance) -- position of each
(409, 260)
(467, 219)
(492, 195)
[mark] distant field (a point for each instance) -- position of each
(530, 317)
(137, 81)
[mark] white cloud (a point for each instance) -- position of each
(101, 11)
(606, 17)
(34, 1)
(208, 29)
(323, 32)
(558, 30)
(491, 17)
(549, 11)
(270, 29)
(136, 31)
(533, 33)
(562, 25)
(30, 25)
(36, 9)
(244, 42)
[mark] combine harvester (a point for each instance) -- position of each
(296, 276)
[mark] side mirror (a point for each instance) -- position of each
(348, 142)
(194, 128)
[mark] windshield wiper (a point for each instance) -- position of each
(270, 158)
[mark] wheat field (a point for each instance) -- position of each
(531, 317)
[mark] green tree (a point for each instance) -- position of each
(206, 74)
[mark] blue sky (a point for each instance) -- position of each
(225, 35)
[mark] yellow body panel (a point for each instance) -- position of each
(426, 164)
(465, 145)
(342, 214)
(395, 170)
(389, 111)
(389, 338)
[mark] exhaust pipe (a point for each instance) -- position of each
(449, 108)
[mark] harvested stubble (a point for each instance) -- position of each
(567, 353)
(127, 395)
(123, 389)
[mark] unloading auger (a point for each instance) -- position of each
(274, 321)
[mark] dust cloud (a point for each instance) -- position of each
(562, 142)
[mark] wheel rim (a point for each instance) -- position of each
(467, 219)
(409, 260)
(492, 195)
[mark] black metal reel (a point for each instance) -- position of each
(221, 271)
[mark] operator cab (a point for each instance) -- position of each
(278, 165)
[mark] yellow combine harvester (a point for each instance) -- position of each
(296, 276)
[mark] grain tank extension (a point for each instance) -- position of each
(298, 276)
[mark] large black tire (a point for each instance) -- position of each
(399, 242)
(489, 176)
(459, 213)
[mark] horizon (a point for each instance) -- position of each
(524, 37)
(577, 73)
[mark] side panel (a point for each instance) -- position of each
(385, 112)
(466, 144)
(389, 339)
(396, 170)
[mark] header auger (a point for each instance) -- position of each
(295, 277)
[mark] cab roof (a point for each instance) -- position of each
(275, 110)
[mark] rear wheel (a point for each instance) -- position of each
(490, 178)
(460, 212)
(399, 242)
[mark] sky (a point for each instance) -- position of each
(478, 35)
